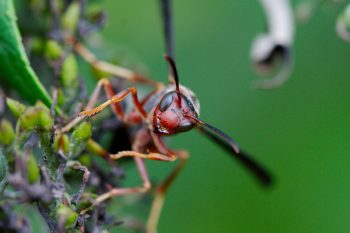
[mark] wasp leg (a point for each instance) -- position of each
(146, 185)
(151, 156)
(116, 99)
(109, 68)
(142, 138)
(117, 110)
(113, 100)
(138, 157)
(96, 148)
(161, 190)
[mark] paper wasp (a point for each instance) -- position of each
(169, 109)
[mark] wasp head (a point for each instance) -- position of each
(175, 113)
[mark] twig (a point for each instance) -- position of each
(86, 175)
(31, 192)
(55, 31)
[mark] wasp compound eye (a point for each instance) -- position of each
(166, 101)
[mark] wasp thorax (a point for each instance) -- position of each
(173, 114)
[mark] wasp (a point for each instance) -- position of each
(167, 110)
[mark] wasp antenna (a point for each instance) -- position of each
(169, 41)
(168, 26)
(216, 135)
(173, 69)
(218, 132)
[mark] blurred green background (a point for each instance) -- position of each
(299, 131)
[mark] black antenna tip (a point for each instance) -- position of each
(257, 170)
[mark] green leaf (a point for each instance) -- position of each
(14, 64)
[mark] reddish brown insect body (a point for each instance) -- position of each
(166, 111)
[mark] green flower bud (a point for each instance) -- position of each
(61, 142)
(69, 72)
(86, 201)
(70, 18)
(38, 5)
(85, 160)
(66, 214)
(53, 50)
(7, 134)
(79, 138)
(46, 120)
(60, 97)
(95, 14)
(37, 45)
(82, 132)
(37, 117)
(60, 5)
(28, 120)
(15, 107)
(32, 169)
(93, 9)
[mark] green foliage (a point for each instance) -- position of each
(69, 72)
(40, 158)
(36, 118)
(14, 64)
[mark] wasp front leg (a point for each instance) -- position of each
(109, 92)
(113, 101)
